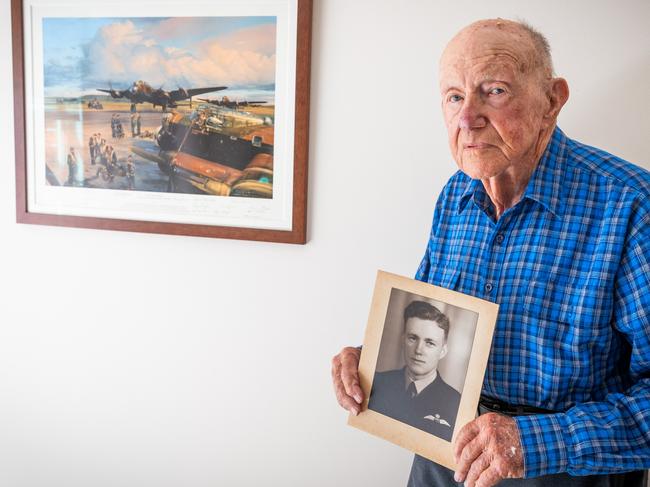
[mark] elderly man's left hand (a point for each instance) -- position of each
(488, 450)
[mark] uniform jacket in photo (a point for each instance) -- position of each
(433, 410)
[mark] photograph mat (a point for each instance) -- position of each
(418, 441)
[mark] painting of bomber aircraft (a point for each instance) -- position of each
(142, 92)
(95, 68)
(115, 136)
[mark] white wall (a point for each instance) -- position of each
(147, 360)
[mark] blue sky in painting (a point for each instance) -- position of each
(81, 54)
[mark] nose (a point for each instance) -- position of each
(471, 116)
(418, 347)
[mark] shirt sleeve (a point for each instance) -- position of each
(422, 274)
(612, 435)
(424, 269)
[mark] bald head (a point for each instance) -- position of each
(534, 52)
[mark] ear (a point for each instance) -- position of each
(444, 351)
(557, 94)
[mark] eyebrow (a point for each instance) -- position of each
(495, 80)
(449, 86)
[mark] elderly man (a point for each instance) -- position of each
(557, 233)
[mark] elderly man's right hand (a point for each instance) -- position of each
(345, 376)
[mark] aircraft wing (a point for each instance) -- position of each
(115, 93)
(182, 94)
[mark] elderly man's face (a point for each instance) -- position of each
(424, 346)
(492, 99)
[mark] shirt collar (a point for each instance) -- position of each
(545, 184)
(420, 384)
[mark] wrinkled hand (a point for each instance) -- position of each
(345, 376)
(488, 450)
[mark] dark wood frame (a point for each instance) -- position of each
(297, 234)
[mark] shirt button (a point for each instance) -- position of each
(489, 287)
(500, 238)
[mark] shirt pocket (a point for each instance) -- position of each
(561, 337)
(444, 276)
(550, 297)
(450, 278)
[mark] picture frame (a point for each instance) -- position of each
(422, 364)
(254, 189)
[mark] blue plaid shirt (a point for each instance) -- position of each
(569, 265)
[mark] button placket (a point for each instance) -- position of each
(497, 257)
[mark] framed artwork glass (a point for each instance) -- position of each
(168, 117)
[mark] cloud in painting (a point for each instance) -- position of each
(123, 52)
(260, 39)
(57, 74)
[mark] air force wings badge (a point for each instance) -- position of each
(437, 419)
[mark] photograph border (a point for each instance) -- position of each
(404, 435)
(298, 232)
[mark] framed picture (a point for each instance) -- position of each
(422, 364)
(171, 117)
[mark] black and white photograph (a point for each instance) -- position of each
(422, 364)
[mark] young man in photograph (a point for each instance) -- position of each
(416, 394)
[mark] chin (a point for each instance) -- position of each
(419, 371)
(481, 169)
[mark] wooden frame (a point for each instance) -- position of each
(462, 366)
(295, 212)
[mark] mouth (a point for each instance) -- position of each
(417, 361)
(476, 145)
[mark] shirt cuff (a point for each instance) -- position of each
(543, 443)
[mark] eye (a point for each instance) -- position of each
(497, 91)
(430, 343)
(454, 98)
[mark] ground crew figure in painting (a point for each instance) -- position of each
(72, 167)
(119, 130)
(113, 125)
(102, 149)
(91, 148)
(130, 172)
(113, 158)
(103, 157)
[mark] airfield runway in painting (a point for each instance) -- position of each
(184, 105)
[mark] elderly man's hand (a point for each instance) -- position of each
(488, 450)
(345, 376)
